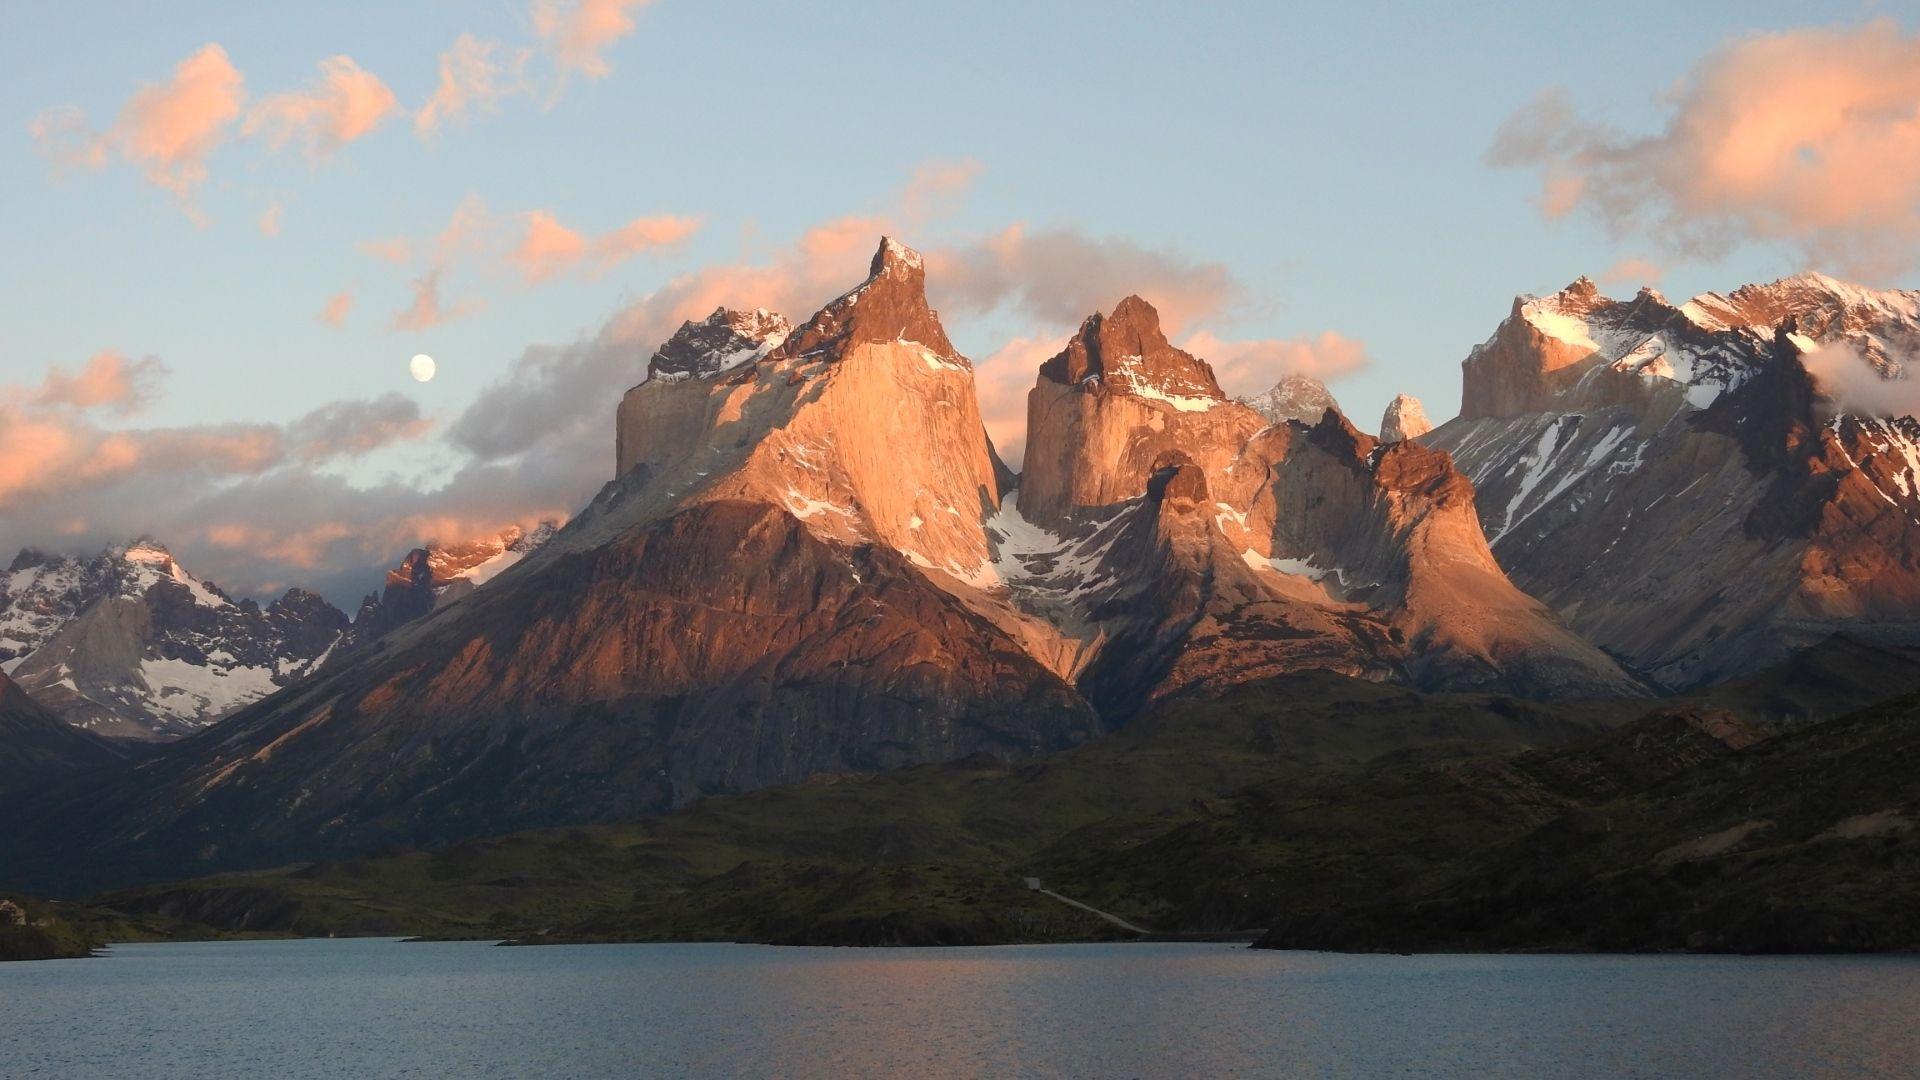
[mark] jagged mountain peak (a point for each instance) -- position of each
(895, 259)
(128, 643)
(890, 306)
(1127, 352)
(1404, 419)
(718, 344)
(1298, 397)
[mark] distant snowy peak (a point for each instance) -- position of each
(1404, 419)
(1302, 398)
(40, 592)
(1126, 352)
(481, 561)
(439, 573)
(718, 344)
(1579, 349)
(129, 643)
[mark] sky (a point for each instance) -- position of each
(228, 226)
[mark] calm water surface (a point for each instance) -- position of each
(380, 1008)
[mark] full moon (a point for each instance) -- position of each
(421, 366)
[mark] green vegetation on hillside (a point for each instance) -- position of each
(1333, 813)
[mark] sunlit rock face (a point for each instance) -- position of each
(1112, 402)
(778, 587)
(438, 574)
(696, 355)
(1404, 419)
(812, 561)
(1312, 552)
(1702, 488)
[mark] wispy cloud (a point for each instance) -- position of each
(345, 103)
(1810, 136)
(167, 130)
(577, 33)
(474, 78)
(107, 380)
(1252, 365)
(335, 312)
(548, 249)
(1062, 274)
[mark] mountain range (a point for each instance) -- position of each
(1702, 489)
(129, 644)
(813, 561)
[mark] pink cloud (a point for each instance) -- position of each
(1253, 365)
(578, 32)
(1632, 272)
(107, 380)
(270, 220)
(468, 232)
(1808, 136)
(392, 249)
(51, 451)
(346, 103)
(1002, 382)
(1062, 275)
(338, 305)
(168, 130)
(472, 80)
(427, 310)
(548, 249)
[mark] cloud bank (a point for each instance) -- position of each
(1809, 137)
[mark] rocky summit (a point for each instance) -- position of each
(1404, 419)
(129, 644)
(813, 561)
(1295, 397)
(1702, 488)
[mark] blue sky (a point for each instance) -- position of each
(1331, 159)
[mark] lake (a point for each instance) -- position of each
(364, 1008)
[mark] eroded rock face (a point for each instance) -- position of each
(721, 342)
(1109, 405)
(1297, 397)
(781, 585)
(1404, 419)
(1308, 554)
(699, 352)
(812, 562)
(1682, 491)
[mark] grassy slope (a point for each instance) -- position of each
(1809, 841)
(927, 854)
(1342, 814)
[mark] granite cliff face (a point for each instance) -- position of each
(1104, 412)
(1318, 548)
(812, 561)
(774, 588)
(1678, 483)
